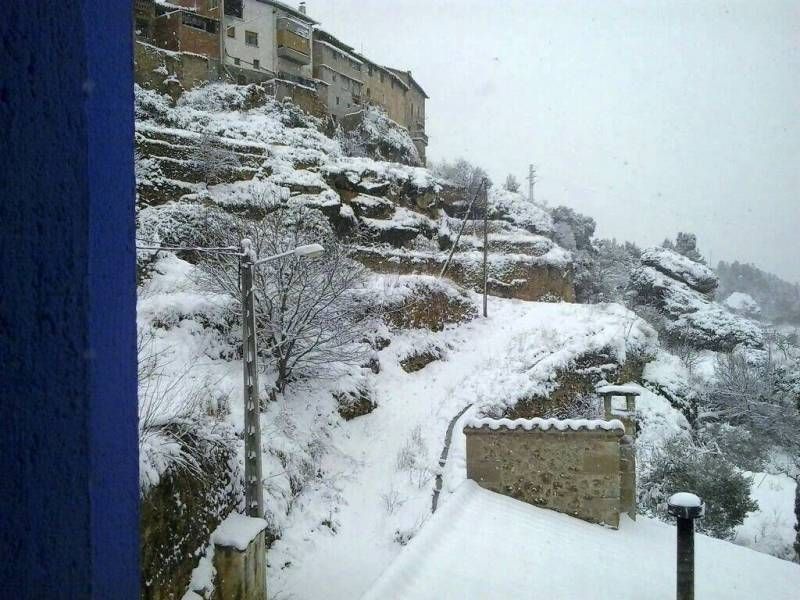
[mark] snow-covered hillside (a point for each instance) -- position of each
(352, 455)
(384, 465)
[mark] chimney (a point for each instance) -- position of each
(302, 7)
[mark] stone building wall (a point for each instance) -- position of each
(577, 472)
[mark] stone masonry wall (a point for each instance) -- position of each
(574, 472)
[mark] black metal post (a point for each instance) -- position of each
(686, 507)
(685, 562)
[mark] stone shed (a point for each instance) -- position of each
(583, 468)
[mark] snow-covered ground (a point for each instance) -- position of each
(336, 544)
(770, 529)
(483, 545)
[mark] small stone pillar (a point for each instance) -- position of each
(628, 442)
(628, 415)
(240, 558)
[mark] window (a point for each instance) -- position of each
(231, 32)
(368, 93)
(236, 61)
(198, 22)
(337, 100)
(251, 38)
(212, 4)
(381, 77)
(233, 8)
(256, 63)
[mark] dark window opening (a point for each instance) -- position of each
(233, 8)
(251, 38)
(256, 63)
(198, 22)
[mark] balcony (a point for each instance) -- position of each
(294, 41)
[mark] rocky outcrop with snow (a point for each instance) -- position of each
(678, 290)
(694, 274)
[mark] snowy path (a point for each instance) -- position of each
(380, 502)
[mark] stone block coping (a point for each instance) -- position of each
(619, 390)
(557, 425)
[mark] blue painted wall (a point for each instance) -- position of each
(68, 451)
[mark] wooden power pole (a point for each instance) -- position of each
(254, 490)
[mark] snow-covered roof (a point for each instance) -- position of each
(483, 545)
(546, 424)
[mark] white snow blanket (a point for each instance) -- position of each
(484, 545)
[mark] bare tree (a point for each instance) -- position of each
(310, 314)
(212, 159)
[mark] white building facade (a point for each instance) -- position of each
(267, 39)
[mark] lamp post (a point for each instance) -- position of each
(254, 491)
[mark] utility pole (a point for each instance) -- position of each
(531, 182)
(485, 249)
(254, 490)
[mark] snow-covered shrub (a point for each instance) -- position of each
(743, 304)
(177, 428)
(213, 160)
(515, 208)
(755, 392)
(679, 466)
(179, 224)
(421, 301)
(735, 443)
(462, 174)
(572, 230)
(150, 105)
(686, 245)
(413, 458)
(378, 137)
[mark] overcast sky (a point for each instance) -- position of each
(652, 117)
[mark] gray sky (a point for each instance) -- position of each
(651, 116)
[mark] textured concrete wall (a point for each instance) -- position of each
(68, 449)
(574, 472)
(241, 575)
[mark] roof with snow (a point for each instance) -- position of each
(484, 545)
(557, 425)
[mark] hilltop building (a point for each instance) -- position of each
(266, 39)
(414, 118)
(340, 72)
(180, 25)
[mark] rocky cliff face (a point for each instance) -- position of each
(399, 218)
